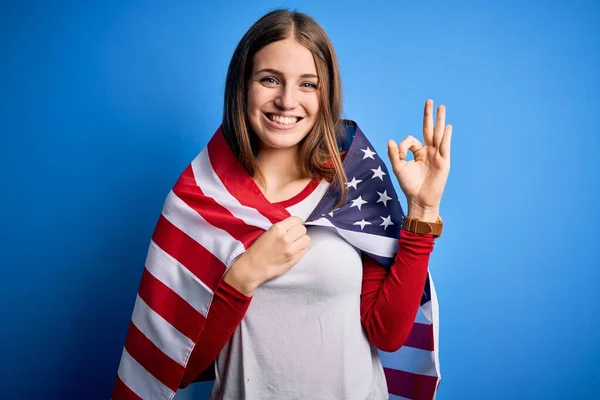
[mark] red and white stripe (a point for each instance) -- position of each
(195, 240)
(413, 372)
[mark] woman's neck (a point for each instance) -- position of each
(279, 167)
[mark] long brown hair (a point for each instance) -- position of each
(318, 154)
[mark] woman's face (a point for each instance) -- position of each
(283, 100)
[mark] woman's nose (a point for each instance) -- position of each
(287, 97)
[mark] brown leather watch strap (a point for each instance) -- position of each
(415, 225)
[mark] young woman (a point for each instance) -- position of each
(301, 312)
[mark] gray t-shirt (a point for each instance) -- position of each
(301, 337)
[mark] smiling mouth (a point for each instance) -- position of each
(288, 121)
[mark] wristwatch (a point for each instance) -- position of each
(415, 225)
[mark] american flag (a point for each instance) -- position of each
(213, 214)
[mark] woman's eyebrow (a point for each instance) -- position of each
(276, 72)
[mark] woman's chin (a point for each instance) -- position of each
(281, 140)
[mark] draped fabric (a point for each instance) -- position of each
(213, 214)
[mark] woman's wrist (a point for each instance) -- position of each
(424, 213)
(240, 277)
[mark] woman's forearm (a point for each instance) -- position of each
(226, 312)
(390, 298)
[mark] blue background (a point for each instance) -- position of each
(103, 105)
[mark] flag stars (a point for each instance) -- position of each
(354, 183)
(362, 223)
(387, 221)
(378, 173)
(383, 198)
(358, 202)
(368, 153)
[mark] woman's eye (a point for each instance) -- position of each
(309, 85)
(269, 79)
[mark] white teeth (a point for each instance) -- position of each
(283, 120)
